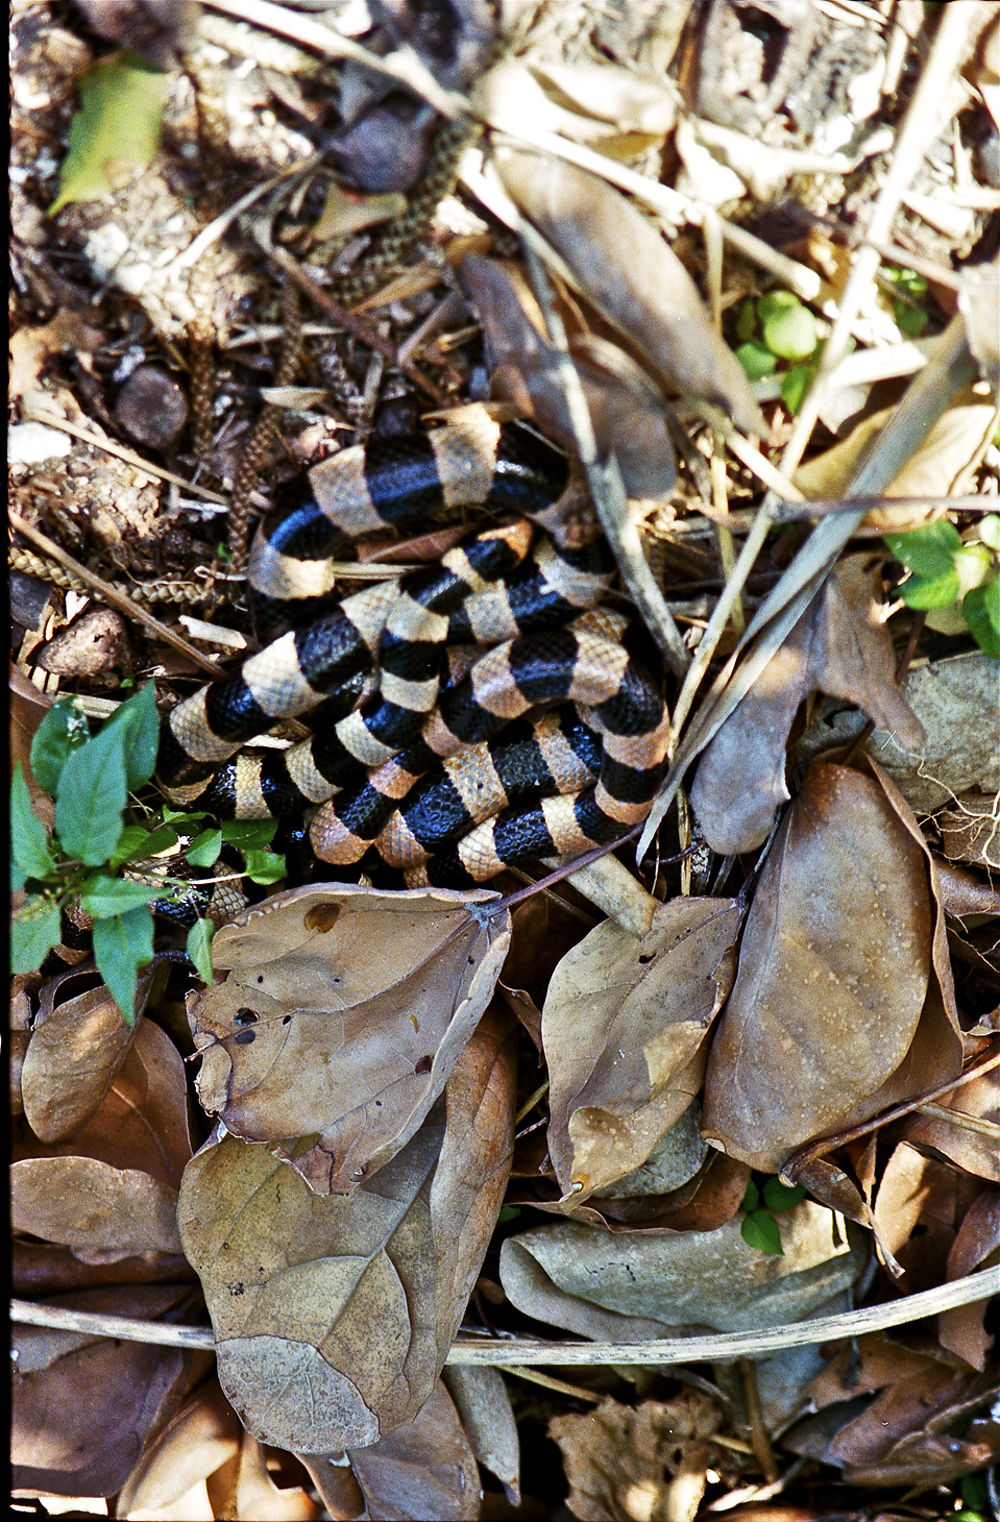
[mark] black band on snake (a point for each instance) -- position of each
(465, 717)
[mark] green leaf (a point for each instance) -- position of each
(29, 844)
(204, 849)
(63, 729)
(757, 361)
(981, 611)
(989, 531)
(199, 948)
(141, 725)
(746, 320)
(102, 896)
(779, 1196)
(249, 834)
(35, 928)
(121, 946)
(265, 867)
(751, 1199)
(794, 385)
(760, 1230)
(508, 1213)
(790, 333)
(137, 843)
(118, 124)
(775, 302)
(91, 797)
(910, 320)
(973, 564)
(181, 816)
(929, 550)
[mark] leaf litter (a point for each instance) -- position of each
(358, 1057)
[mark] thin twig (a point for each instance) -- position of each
(155, 472)
(111, 595)
(968, 1290)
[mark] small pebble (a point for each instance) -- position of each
(151, 407)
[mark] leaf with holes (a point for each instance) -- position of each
(341, 1015)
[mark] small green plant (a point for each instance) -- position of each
(911, 317)
(92, 860)
(762, 1202)
(946, 571)
(778, 329)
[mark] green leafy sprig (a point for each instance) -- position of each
(92, 860)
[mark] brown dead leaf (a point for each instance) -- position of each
(631, 1287)
(911, 1431)
(97, 1210)
(943, 466)
(627, 271)
(623, 1029)
(296, 1281)
(32, 348)
(962, 1330)
(243, 1489)
(64, 1438)
(973, 1149)
(843, 1001)
(142, 1119)
(78, 1042)
(342, 1016)
(109, 1192)
(203, 1435)
(839, 646)
(628, 1464)
(425, 1468)
(628, 419)
(487, 1415)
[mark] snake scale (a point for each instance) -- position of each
(466, 717)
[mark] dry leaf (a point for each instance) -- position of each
(296, 1281)
(423, 1469)
(974, 1151)
(962, 1329)
(78, 1042)
(843, 1001)
(341, 1018)
(943, 465)
(99, 1211)
(483, 1404)
(201, 1437)
(631, 1287)
(627, 271)
(615, 109)
(839, 646)
(626, 413)
(64, 1438)
(634, 1465)
(623, 1029)
(244, 1490)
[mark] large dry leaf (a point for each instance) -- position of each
(625, 269)
(342, 1016)
(423, 1469)
(94, 1208)
(204, 1434)
(623, 1029)
(944, 465)
(78, 1042)
(633, 1465)
(839, 646)
(142, 1116)
(843, 1001)
(65, 1438)
(627, 417)
(483, 1403)
(630, 1287)
(333, 1314)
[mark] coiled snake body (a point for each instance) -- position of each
(469, 716)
